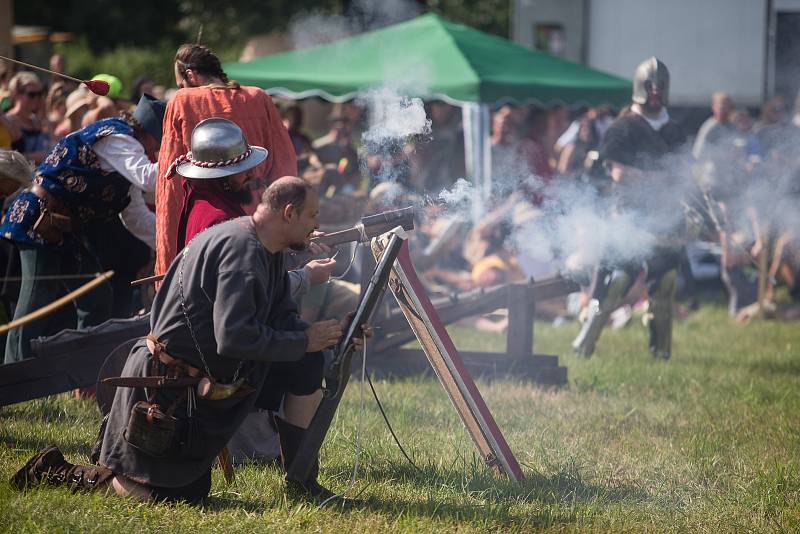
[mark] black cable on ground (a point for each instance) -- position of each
(388, 424)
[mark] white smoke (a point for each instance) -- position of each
(459, 196)
(393, 117)
(317, 28)
(574, 227)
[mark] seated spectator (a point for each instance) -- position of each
(77, 104)
(717, 127)
(337, 153)
(571, 161)
(293, 121)
(27, 114)
(141, 86)
(441, 158)
(56, 104)
(514, 160)
(105, 107)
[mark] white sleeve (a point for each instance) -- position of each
(124, 154)
(138, 218)
(569, 135)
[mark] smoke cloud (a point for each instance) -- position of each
(316, 27)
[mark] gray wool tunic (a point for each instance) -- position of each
(237, 297)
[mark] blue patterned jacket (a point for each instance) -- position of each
(71, 172)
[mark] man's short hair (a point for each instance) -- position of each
(287, 190)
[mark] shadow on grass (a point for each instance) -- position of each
(73, 451)
(772, 367)
(500, 513)
(565, 485)
(481, 498)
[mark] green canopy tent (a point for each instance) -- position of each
(435, 59)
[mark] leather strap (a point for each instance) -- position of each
(156, 348)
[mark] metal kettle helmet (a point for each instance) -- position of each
(651, 73)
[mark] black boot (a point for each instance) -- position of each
(50, 466)
(290, 438)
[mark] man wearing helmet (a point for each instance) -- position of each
(638, 151)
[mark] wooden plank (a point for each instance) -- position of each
(539, 368)
(519, 334)
(480, 301)
(449, 367)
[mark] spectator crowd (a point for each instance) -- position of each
(732, 150)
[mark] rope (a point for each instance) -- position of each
(349, 265)
(206, 164)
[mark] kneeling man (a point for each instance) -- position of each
(225, 338)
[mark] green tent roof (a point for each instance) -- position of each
(430, 57)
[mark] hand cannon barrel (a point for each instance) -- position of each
(369, 227)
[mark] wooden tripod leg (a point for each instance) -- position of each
(224, 459)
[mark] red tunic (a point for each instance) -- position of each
(250, 108)
(204, 205)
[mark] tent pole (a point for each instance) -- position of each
(477, 153)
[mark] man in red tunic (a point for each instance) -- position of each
(215, 188)
(206, 92)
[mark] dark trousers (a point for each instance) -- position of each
(91, 308)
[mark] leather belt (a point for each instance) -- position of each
(53, 202)
(179, 375)
(156, 348)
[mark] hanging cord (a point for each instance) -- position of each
(349, 265)
(359, 428)
(389, 425)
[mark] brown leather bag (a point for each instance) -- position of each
(150, 429)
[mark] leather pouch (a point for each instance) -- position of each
(150, 429)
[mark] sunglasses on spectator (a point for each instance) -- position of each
(34, 94)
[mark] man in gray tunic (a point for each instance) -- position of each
(224, 321)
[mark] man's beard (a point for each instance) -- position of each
(298, 247)
(242, 196)
(651, 107)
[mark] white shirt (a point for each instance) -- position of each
(125, 155)
(657, 123)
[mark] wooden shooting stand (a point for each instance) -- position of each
(519, 359)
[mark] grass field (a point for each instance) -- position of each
(709, 441)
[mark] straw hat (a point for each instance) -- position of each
(14, 167)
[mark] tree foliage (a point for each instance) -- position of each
(132, 39)
(107, 24)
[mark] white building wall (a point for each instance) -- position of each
(526, 14)
(708, 45)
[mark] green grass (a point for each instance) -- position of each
(709, 441)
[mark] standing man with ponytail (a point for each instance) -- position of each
(206, 92)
